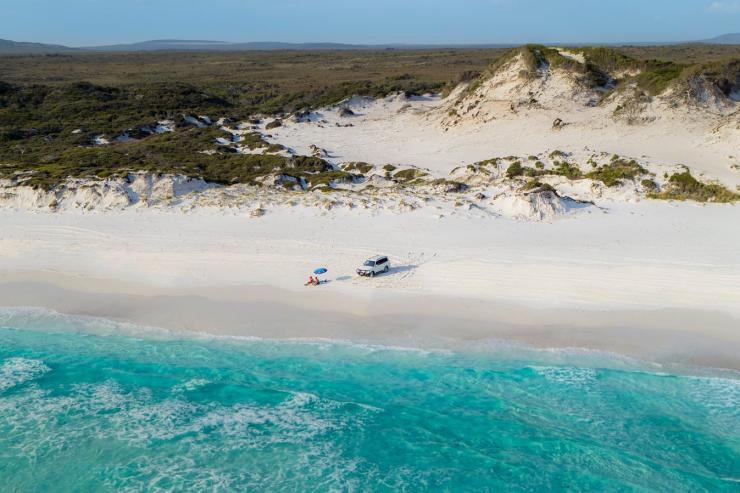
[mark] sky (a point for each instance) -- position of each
(96, 22)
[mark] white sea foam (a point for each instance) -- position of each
(17, 371)
(567, 374)
(717, 394)
(46, 320)
(192, 384)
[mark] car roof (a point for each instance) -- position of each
(377, 257)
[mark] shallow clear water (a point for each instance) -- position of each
(82, 409)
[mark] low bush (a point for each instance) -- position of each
(514, 169)
(683, 186)
(274, 124)
(537, 185)
(618, 169)
(564, 168)
(363, 168)
(407, 175)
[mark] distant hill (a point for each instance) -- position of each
(9, 47)
(207, 45)
(725, 39)
(17, 47)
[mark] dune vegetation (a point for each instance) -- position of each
(56, 110)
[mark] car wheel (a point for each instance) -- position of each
(372, 273)
(386, 269)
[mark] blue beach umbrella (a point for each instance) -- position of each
(320, 270)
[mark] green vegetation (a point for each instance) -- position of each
(659, 78)
(448, 185)
(686, 53)
(363, 168)
(253, 140)
(180, 152)
(610, 174)
(557, 154)
(409, 174)
(514, 170)
(618, 169)
(683, 186)
(564, 168)
(649, 185)
(615, 67)
(327, 178)
(53, 106)
(535, 184)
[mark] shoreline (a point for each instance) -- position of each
(700, 338)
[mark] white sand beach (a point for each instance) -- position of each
(653, 280)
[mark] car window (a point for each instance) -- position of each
(369, 263)
(382, 261)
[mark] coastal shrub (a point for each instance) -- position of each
(409, 174)
(362, 167)
(43, 99)
(649, 185)
(683, 186)
(613, 173)
(450, 186)
(327, 178)
(487, 162)
(564, 168)
(514, 169)
(274, 124)
(608, 59)
(389, 168)
(557, 154)
(180, 152)
(253, 140)
(656, 79)
(537, 185)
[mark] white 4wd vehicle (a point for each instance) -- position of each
(374, 265)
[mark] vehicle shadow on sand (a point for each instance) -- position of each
(399, 270)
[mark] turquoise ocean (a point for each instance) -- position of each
(87, 405)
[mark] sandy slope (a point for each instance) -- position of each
(420, 132)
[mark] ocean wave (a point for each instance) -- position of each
(161, 416)
(567, 374)
(190, 385)
(46, 320)
(17, 371)
(717, 394)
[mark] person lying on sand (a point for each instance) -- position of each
(312, 281)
